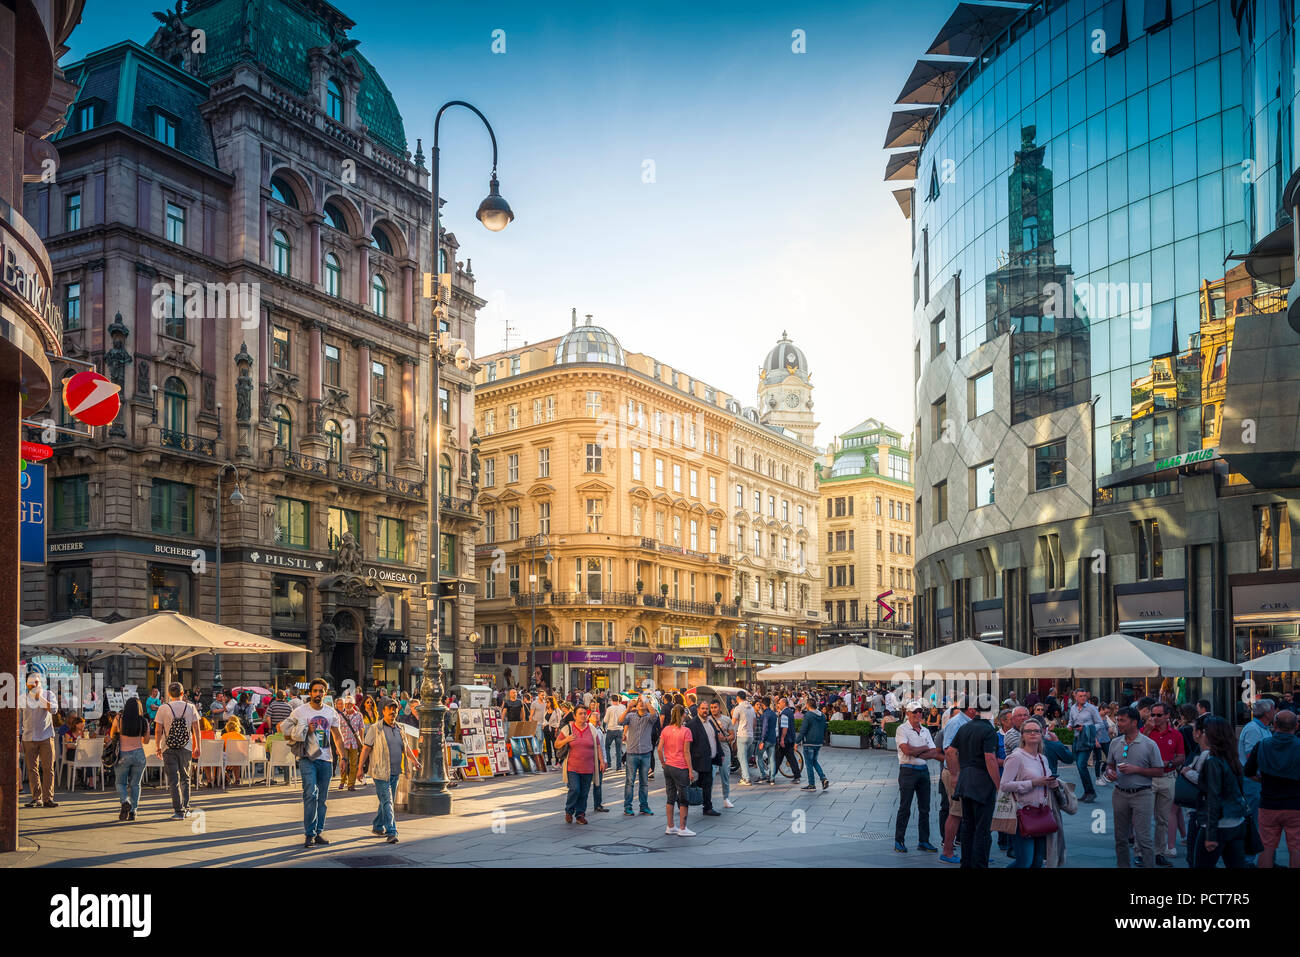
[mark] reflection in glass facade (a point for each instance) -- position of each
(1098, 194)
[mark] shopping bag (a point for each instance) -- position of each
(694, 795)
(1004, 813)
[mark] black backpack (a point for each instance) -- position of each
(178, 732)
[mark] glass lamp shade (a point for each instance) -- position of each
(494, 212)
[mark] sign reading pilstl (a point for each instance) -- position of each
(1186, 458)
(694, 641)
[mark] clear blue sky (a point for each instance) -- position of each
(768, 209)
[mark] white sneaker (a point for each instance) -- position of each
(1101, 782)
(726, 802)
(685, 832)
(745, 784)
(670, 830)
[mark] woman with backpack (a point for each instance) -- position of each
(129, 728)
(1222, 808)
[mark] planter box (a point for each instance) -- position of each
(859, 741)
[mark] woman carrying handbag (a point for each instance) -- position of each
(1026, 776)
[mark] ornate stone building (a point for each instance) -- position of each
(239, 237)
(610, 532)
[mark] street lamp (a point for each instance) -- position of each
(236, 498)
(429, 787)
(535, 541)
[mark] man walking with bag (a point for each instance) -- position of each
(176, 735)
(384, 748)
(316, 725)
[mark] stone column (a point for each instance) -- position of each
(313, 441)
(363, 272)
(314, 221)
(408, 294)
(408, 410)
(145, 276)
(362, 448)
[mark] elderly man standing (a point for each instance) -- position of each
(1259, 729)
(1087, 724)
(37, 720)
(915, 748)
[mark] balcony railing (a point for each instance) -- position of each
(357, 476)
(530, 599)
(690, 607)
(306, 463)
(185, 442)
(864, 624)
(587, 598)
(459, 506)
(350, 474)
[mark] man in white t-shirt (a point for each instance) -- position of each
(177, 749)
(322, 721)
(742, 719)
(891, 702)
(612, 724)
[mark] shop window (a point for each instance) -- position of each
(70, 585)
(170, 589)
(289, 601)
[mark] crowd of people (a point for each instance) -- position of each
(1176, 773)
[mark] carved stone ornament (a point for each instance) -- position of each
(285, 383)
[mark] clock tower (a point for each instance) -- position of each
(785, 391)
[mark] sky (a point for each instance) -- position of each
(676, 170)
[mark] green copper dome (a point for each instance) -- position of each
(277, 34)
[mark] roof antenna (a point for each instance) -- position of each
(573, 322)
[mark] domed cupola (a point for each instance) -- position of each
(588, 343)
(785, 360)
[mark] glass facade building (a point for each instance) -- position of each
(1099, 211)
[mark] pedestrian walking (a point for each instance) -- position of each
(130, 728)
(705, 755)
(351, 729)
(548, 732)
(176, 736)
(578, 743)
(743, 721)
(36, 719)
(316, 725)
(1224, 805)
(785, 740)
(1087, 724)
(811, 736)
(766, 736)
(1133, 761)
(675, 742)
(1170, 742)
(640, 726)
(383, 752)
(1275, 764)
(1025, 774)
(598, 770)
(726, 741)
(1258, 729)
(915, 746)
(975, 748)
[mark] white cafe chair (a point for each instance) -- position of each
(281, 757)
(257, 756)
(90, 753)
(212, 755)
(238, 756)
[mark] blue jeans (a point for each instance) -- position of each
(810, 752)
(576, 801)
(767, 760)
(722, 772)
(1081, 762)
(385, 820)
(1030, 851)
(743, 748)
(615, 741)
(315, 789)
(636, 768)
(129, 771)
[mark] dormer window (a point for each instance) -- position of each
(164, 128)
(87, 114)
(334, 101)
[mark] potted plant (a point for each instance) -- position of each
(663, 590)
(851, 734)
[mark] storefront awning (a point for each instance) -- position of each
(1055, 617)
(1266, 604)
(1151, 610)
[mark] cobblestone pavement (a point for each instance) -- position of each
(520, 818)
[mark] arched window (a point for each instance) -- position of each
(281, 252)
(282, 192)
(334, 101)
(176, 414)
(379, 295)
(334, 218)
(380, 445)
(333, 274)
(334, 441)
(283, 428)
(444, 475)
(379, 240)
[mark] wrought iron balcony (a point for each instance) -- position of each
(309, 464)
(586, 598)
(368, 478)
(185, 442)
(458, 506)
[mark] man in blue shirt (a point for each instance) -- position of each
(785, 740)
(1259, 729)
(765, 732)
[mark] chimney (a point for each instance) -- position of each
(573, 323)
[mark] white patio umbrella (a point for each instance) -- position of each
(49, 637)
(960, 657)
(1288, 659)
(845, 663)
(1121, 656)
(167, 636)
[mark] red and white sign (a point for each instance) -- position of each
(92, 398)
(35, 452)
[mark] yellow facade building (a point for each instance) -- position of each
(866, 528)
(608, 532)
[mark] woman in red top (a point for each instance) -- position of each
(580, 765)
(675, 754)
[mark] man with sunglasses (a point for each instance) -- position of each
(1172, 754)
(1133, 762)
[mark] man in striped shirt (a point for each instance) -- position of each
(277, 710)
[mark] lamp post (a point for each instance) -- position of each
(535, 541)
(429, 787)
(236, 498)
